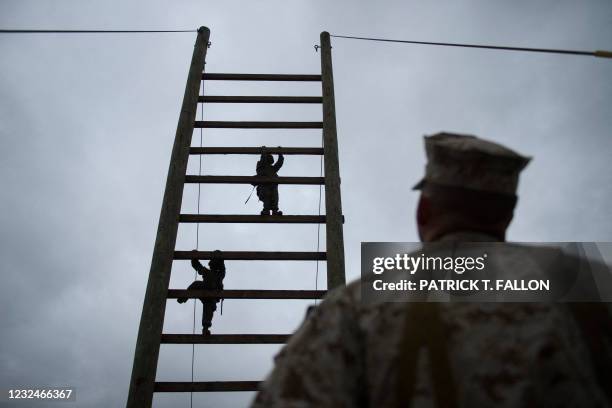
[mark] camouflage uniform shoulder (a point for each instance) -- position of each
(311, 370)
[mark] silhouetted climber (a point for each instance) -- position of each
(212, 279)
(268, 193)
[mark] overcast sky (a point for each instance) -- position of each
(87, 124)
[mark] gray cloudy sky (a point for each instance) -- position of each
(86, 129)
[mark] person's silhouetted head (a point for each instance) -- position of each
(469, 185)
(216, 260)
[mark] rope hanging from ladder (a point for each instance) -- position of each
(195, 277)
(319, 224)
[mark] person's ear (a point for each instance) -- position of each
(423, 214)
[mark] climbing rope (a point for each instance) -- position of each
(319, 224)
(195, 273)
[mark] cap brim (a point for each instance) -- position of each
(419, 185)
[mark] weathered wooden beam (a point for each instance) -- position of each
(259, 99)
(253, 255)
(333, 202)
(207, 386)
(142, 381)
(263, 219)
(260, 77)
(257, 150)
(246, 294)
(225, 338)
(257, 125)
(253, 180)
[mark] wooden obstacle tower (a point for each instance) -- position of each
(150, 336)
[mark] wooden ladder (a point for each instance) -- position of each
(150, 336)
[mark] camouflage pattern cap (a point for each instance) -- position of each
(470, 162)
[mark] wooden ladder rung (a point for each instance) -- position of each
(206, 386)
(257, 150)
(253, 255)
(225, 338)
(260, 77)
(253, 219)
(246, 294)
(253, 180)
(259, 99)
(256, 125)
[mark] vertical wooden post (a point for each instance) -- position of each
(333, 202)
(152, 320)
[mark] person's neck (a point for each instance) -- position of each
(468, 236)
(450, 226)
